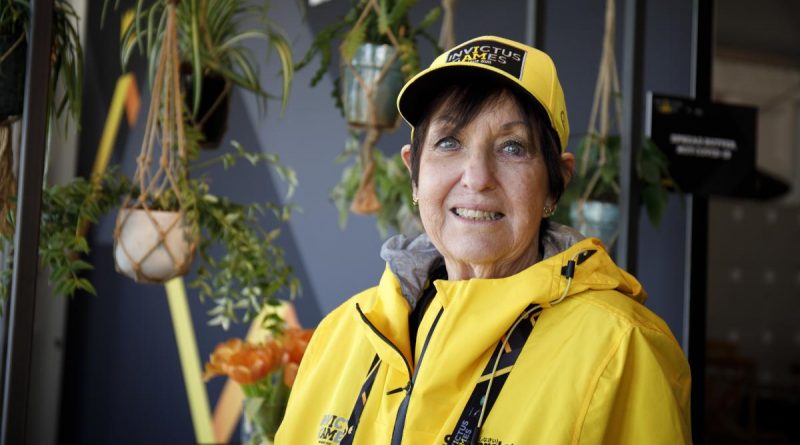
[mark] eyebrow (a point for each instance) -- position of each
(514, 124)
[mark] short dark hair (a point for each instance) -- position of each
(466, 96)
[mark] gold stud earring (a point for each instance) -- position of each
(415, 201)
(549, 210)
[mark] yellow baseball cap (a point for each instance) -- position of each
(523, 66)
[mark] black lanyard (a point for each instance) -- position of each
(467, 430)
(361, 402)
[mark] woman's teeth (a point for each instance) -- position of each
(478, 214)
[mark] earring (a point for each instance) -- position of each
(415, 201)
(549, 210)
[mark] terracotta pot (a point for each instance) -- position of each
(152, 246)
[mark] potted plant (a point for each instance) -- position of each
(379, 44)
(241, 268)
(211, 38)
(378, 53)
(251, 270)
(590, 201)
(265, 372)
(67, 58)
(397, 211)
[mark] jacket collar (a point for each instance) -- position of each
(477, 312)
(412, 259)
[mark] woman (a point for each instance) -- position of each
(496, 326)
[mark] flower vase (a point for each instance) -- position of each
(263, 415)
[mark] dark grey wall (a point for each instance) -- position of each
(123, 381)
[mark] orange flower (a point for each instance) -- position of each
(243, 362)
(295, 341)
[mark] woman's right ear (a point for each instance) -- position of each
(405, 153)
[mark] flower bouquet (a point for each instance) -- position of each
(265, 371)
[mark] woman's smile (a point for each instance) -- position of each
(476, 215)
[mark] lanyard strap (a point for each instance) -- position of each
(361, 402)
(493, 378)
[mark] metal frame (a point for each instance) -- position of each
(21, 313)
(535, 25)
(632, 112)
(696, 276)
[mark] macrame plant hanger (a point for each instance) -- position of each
(159, 179)
(447, 35)
(606, 91)
(365, 200)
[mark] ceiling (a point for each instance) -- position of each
(766, 28)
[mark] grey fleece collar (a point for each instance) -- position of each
(412, 259)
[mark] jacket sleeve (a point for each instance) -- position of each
(642, 393)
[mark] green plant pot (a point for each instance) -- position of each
(215, 105)
(599, 220)
(12, 76)
(368, 63)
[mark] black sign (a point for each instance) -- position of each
(711, 147)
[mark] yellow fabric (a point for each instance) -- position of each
(599, 367)
(537, 76)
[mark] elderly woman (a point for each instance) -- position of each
(496, 326)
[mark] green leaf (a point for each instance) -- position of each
(352, 41)
(430, 18)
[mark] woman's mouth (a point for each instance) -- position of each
(477, 215)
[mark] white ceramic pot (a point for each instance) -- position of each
(141, 251)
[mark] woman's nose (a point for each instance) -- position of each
(478, 174)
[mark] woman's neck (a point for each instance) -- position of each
(462, 270)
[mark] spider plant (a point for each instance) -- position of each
(212, 36)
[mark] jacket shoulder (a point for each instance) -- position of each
(345, 311)
(627, 311)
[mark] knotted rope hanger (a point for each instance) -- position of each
(160, 178)
(606, 90)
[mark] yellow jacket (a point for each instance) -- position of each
(597, 368)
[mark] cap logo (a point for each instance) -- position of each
(488, 52)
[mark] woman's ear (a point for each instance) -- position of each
(405, 153)
(567, 166)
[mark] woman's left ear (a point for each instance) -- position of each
(567, 166)
(405, 153)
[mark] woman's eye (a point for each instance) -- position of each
(514, 148)
(447, 143)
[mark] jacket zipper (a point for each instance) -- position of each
(400, 420)
(383, 337)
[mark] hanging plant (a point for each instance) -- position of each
(590, 202)
(397, 211)
(154, 239)
(378, 54)
(211, 40)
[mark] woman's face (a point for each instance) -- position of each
(482, 190)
